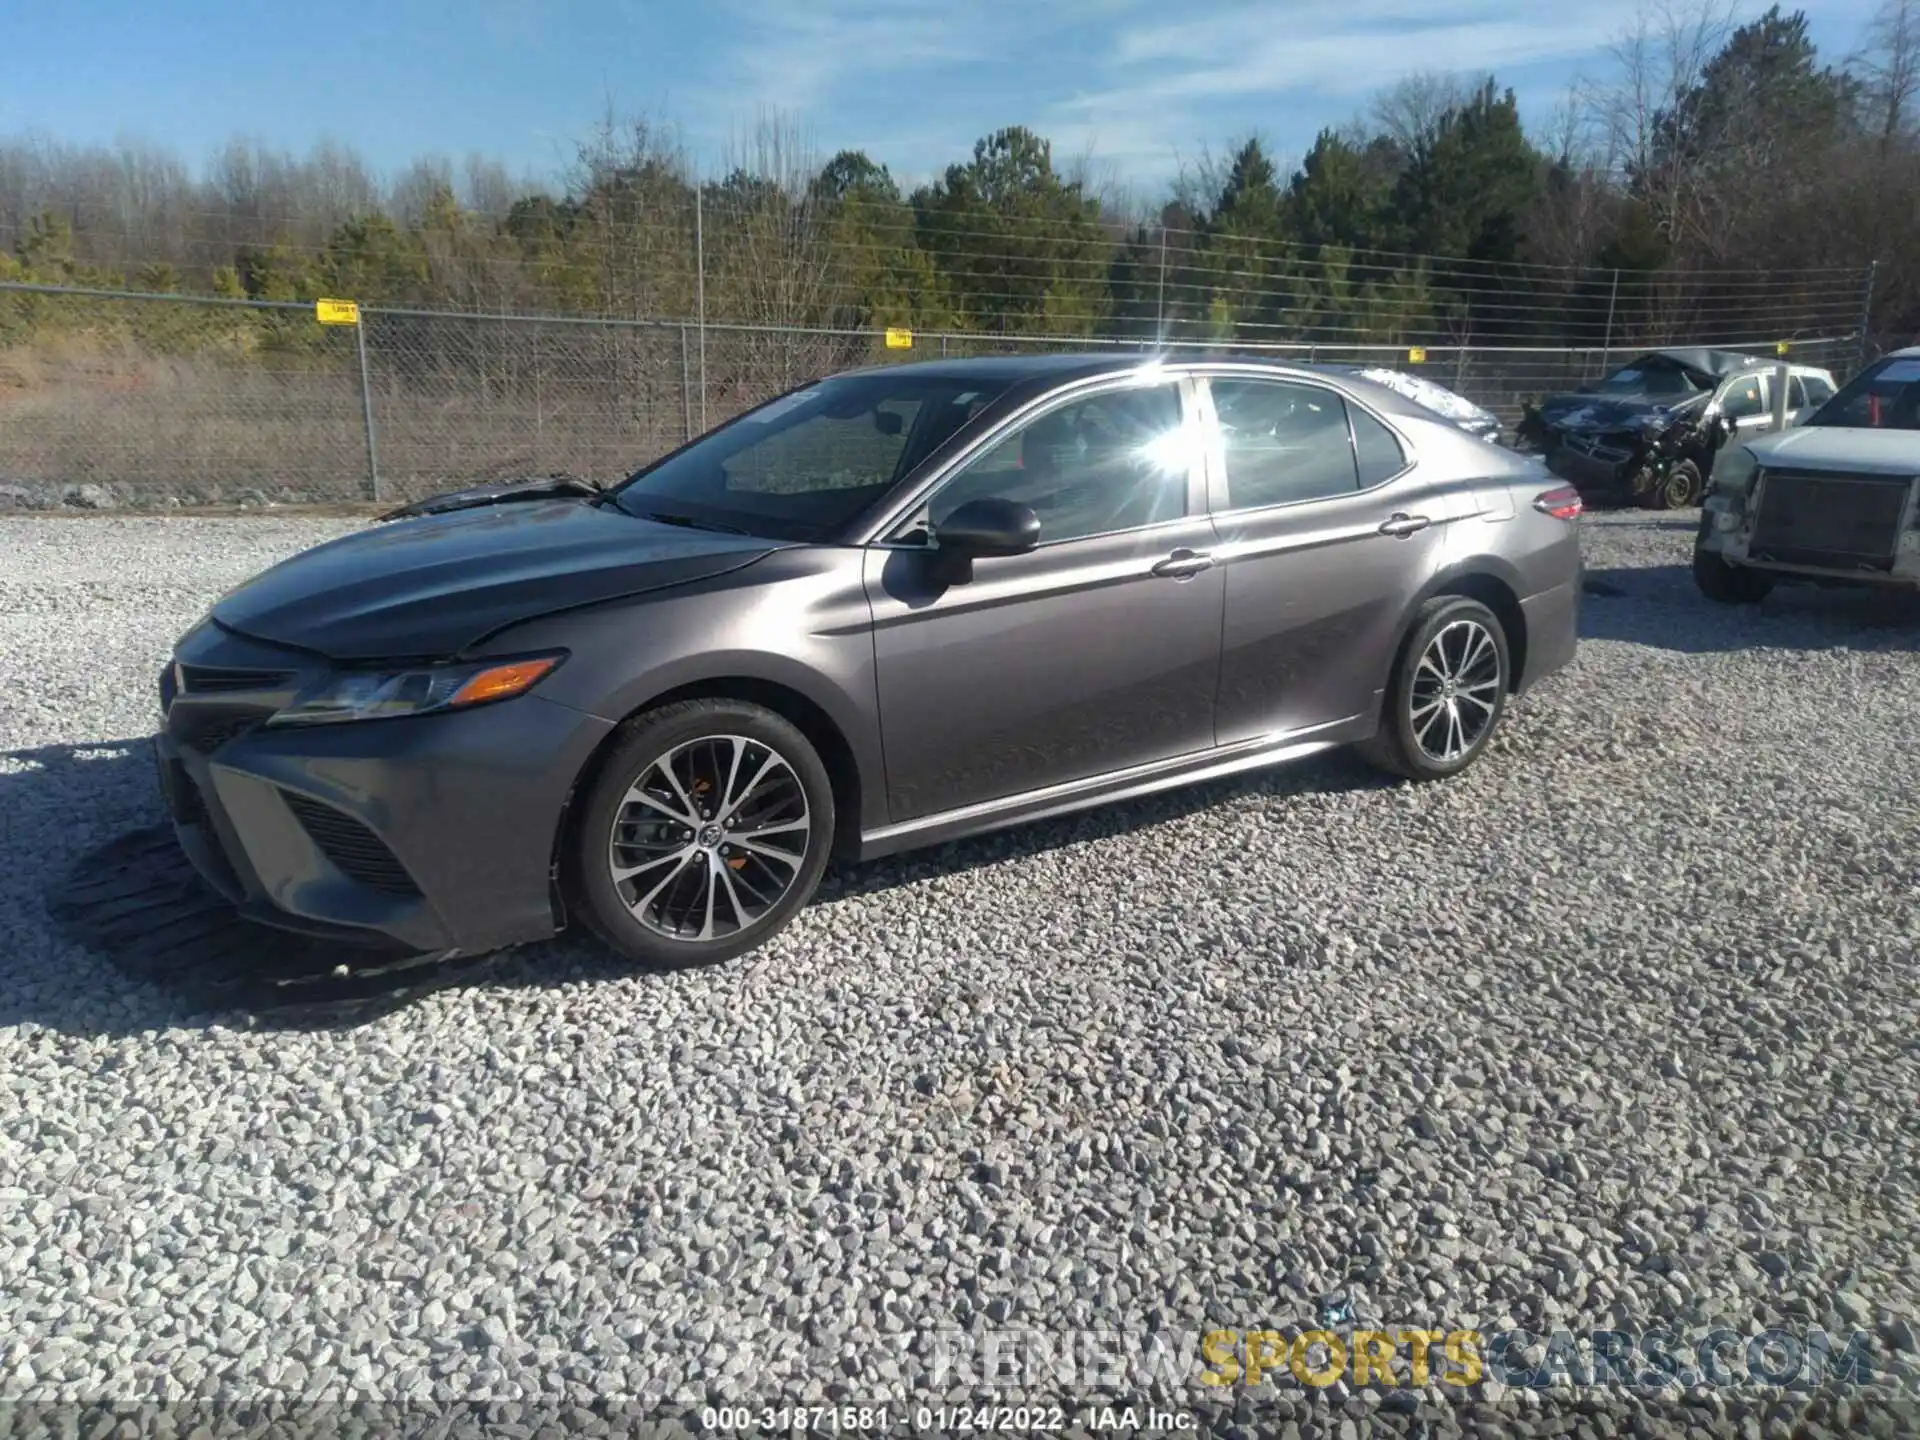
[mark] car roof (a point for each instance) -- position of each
(1024, 373)
(1086, 364)
(1011, 369)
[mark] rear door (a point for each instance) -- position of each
(1328, 531)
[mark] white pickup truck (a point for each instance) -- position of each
(1834, 499)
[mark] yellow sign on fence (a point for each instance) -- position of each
(899, 339)
(336, 312)
(1781, 347)
(1417, 355)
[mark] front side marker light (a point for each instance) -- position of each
(501, 682)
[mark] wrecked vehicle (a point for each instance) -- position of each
(1647, 433)
(1831, 500)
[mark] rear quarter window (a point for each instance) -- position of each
(1378, 449)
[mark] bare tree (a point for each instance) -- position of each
(1657, 64)
(1408, 111)
(1888, 66)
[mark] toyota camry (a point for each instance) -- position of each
(893, 607)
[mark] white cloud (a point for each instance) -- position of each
(1119, 77)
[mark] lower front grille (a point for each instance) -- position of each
(1841, 521)
(354, 850)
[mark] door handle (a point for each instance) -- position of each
(1402, 524)
(1184, 564)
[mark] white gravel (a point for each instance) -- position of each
(1619, 1028)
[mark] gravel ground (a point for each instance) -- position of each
(1617, 1029)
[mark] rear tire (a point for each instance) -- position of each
(1728, 584)
(701, 834)
(1447, 693)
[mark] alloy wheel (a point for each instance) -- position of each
(709, 838)
(1455, 691)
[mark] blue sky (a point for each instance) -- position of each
(1139, 84)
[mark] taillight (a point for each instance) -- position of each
(1562, 504)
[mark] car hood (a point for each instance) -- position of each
(1613, 412)
(431, 587)
(1833, 447)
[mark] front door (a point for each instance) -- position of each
(1097, 651)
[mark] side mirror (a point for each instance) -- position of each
(982, 528)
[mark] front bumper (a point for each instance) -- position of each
(1820, 536)
(432, 833)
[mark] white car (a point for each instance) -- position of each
(1834, 499)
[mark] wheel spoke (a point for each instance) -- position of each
(622, 873)
(771, 762)
(1456, 741)
(780, 828)
(638, 796)
(665, 767)
(713, 891)
(785, 857)
(684, 857)
(727, 879)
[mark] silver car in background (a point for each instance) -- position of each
(1834, 499)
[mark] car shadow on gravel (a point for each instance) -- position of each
(1659, 606)
(85, 844)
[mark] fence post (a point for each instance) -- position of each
(1866, 316)
(366, 406)
(700, 291)
(686, 388)
(1160, 298)
(1613, 299)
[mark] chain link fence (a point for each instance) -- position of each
(116, 398)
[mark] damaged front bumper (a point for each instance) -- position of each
(1834, 528)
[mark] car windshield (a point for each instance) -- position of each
(1650, 375)
(802, 466)
(1882, 397)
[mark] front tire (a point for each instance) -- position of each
(1728, 584)
(1681, 489)
(1447, 693)
(703, 832)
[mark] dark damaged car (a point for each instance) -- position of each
(889, 609)
(1647, 433)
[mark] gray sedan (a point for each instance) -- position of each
(892, 608)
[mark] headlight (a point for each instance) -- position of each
(384, 694)
(1734, 469)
